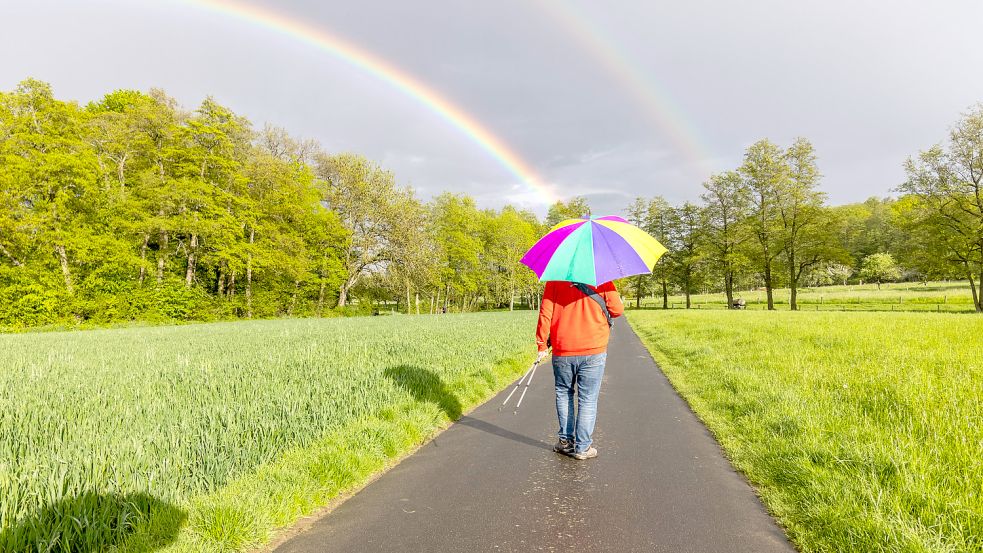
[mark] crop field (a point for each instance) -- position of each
(210, 437)
(945, 297)
(861, 431)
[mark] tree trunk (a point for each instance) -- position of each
(121, 171)
(10, 256)
(220, 280)
(417, 303)
(143, 258)
(293, 298)
(977, 301)
(729, 288)
(344, 289)
(511, 298)
(979, 296)
(768, 289)
(320, 297)
(793, 285)
(408, 312)
(249, 274)
(687, 288)
(431, 304)
(189, 277)
(232, 285)
(665, 294)
(162, 256)
(65, 269)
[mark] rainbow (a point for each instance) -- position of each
(402, 81)
(651, 95)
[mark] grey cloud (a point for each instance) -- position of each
(868, 82)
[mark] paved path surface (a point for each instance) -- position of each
(491, 482)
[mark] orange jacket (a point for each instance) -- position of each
(573, 322)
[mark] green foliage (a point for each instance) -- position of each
(105, 211)
(862, 437)
(574, 208)
(879, 267)
(946, 210)
(257, 422)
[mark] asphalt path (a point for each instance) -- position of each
(492, 483)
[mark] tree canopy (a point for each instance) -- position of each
(132, 208)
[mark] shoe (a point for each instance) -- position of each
(584, 455)
(563, 446)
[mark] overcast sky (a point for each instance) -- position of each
(611, 100)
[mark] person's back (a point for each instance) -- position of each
(574, 324)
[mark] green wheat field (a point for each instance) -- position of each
(209, 437)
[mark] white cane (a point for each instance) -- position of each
(527, 378)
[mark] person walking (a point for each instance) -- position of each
(575, 319)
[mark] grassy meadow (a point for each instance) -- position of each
(945, 297)
(861, 431)
(209, 437)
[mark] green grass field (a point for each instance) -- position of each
(861, 431)
(946, 297)
(210, 437)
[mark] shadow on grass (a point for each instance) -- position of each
(425, 385)
(96, 522)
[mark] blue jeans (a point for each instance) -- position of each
(584, 372)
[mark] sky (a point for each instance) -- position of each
(609, 100)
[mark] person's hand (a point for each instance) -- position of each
(540, 357)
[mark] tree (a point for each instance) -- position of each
(411, 266)
(804, 222)
(687, 228)
(51, 174)
(512, 233)
(658, 223)
(948, 185)
(765, 171)
(575, 208)
(457, 228)
(837, 272)
(727, 204)
(637, 214)
(367, 201)
(879, 267)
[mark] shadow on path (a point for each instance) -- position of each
(96, 522)
(501, 432)
(425, 385)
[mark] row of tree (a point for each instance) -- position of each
(767, 224)
(132, 208)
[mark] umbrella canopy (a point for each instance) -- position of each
(593, 251)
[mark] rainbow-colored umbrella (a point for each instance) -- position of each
(593, 251)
